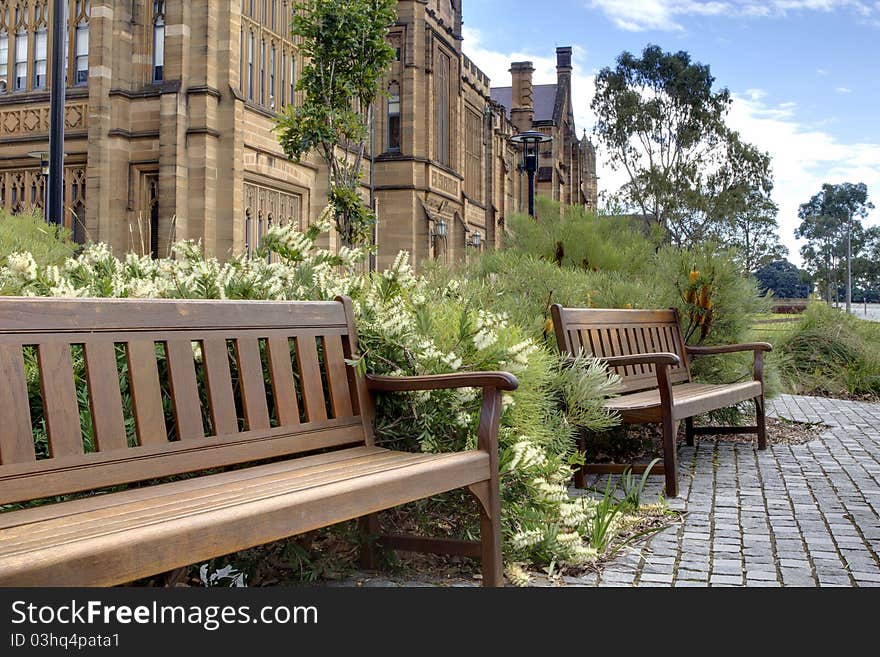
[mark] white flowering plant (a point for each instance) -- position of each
(408, 325)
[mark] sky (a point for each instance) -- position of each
(804, 74)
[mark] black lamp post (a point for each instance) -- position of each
(55, 206)
(531, 141)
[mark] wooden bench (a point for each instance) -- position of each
(280, 402)
(647, 350)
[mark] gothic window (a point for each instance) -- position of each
(158, 40)
(272, 78)
(81, 43)
(41, 49)
(292, 81)
(263, 72)
(4, 54)
(394, 118)
(19, 76)
(473, 151)
(441, 93)
(251, 66)
(283, 79)
(265, 53)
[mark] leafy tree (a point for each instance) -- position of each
(754, 231)
(345, 47)
(831, 222)
(784, 280)
(660, 121)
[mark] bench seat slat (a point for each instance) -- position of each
(96, 555)
(16, 444)
(689, 399)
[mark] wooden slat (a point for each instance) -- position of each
(105, 399)
(283, 384)
(115, 558)
(337, 378)
(181, 333)
(16, 436)
(253, 385)
(219, 381)
(32, 315)
(19, 482)
(184, 390)
(310, 378)
(146, 393)
(59, 400)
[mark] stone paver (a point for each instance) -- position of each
(799, 515)
(796, 516)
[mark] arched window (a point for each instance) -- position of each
(272, 78)
(81, 44)
(394, 117)
(4, 56)
(41, 53)
(283, 78)
(19, 74)
(263, 72)
(251, 46)
(158, 40)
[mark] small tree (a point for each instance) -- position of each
(661, 121)
(754, 231)
(346, 52)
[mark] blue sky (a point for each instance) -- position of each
(805, 74)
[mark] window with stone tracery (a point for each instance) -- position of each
(23, 190)
(266, 45)
(24, 44)
(264, 208)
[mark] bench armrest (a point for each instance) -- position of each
(492, 384)
(729, 349)
(661, 358)
(496, 380)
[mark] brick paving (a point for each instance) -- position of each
(798, 515)
(792, 516)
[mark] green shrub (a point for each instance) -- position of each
(28, 235)
(831, 353)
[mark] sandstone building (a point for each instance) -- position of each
(169, 117)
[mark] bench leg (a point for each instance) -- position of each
(761, 413)
(580, 480)
(689, 431)
(368, 527)
(670, 455)
(487, 494)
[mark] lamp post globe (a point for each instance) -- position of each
(531, 141)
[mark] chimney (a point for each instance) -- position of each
(522, 111)
(563, 64)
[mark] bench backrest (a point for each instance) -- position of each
(607, 333)
(243, 381)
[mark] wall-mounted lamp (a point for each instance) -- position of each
(476, 240)
(440, 230)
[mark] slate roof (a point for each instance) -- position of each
(544, 96)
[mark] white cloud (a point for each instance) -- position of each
(843, 90)
(822, 72)
(803, 158)
(640, 15)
